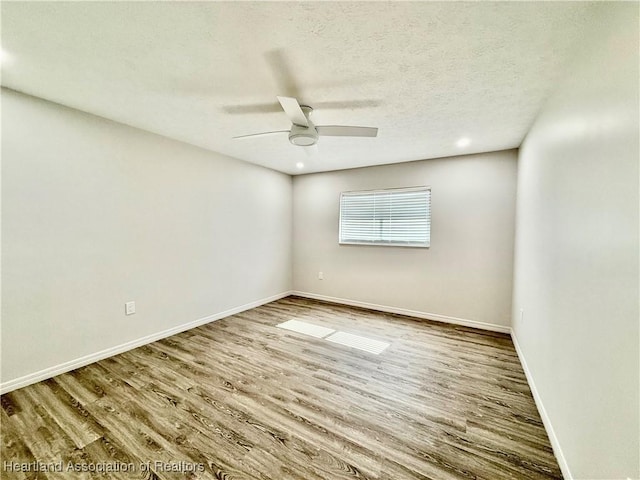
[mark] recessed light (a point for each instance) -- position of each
(300, 165)
(463, 142)
(5, 57)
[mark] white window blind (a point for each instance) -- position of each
(400, 216)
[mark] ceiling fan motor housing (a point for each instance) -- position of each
(304, 136)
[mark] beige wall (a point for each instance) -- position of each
(95, 214)
(467, 271)
(576, 267)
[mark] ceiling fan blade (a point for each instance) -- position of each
(346, 131)
(292, 108)
(274, 107)
(263, 133)
(253, 108)
(346, 104)
(283, 72)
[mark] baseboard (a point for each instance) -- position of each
(555, 444)
(109, 352)
(410, 313)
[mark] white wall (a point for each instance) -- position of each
(96, 213)
(576, 267)
(467, 271)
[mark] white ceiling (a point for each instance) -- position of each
(426, 74)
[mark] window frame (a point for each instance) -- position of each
(427, 244)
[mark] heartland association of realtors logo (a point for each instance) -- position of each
(102, 467)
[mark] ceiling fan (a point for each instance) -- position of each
(304, 133)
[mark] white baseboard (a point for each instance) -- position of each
(555, 444)
(109, 352)
(410, 313)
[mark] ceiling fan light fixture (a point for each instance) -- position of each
(303, 139)
(303, 136)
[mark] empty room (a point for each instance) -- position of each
(320, 240)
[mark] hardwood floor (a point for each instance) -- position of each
(239, 398)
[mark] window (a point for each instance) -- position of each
(400, 216)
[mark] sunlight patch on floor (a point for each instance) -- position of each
(306, 328)
(342, 338)
(356, 341)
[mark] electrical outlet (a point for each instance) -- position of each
(320, 276)
(521, 315)
(130, 308)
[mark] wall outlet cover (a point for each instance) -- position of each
(130, 308)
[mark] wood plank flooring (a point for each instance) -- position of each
(242, 399)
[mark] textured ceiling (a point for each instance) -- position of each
(426, 74)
